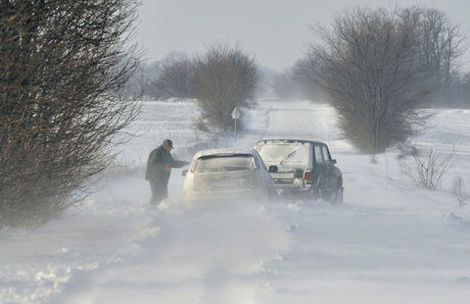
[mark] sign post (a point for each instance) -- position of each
(235, 116)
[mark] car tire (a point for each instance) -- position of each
(337, 197)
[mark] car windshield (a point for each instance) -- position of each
(216, 163)
(281, 153)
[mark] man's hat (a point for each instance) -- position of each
(168, 142)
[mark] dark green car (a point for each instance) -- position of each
(302, 168)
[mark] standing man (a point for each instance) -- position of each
(159, 166)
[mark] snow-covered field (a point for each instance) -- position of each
(391, 241)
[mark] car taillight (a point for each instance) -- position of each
(307, 175)
(192, 167)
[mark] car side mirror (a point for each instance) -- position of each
(273, 169)
(333, 161)
(184, 172)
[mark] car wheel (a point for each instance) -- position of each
(337, 197)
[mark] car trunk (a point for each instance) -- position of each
(236, 181)
(291, 159)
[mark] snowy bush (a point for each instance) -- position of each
(460, 191)
(430, 168)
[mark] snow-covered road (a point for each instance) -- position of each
(390, 242)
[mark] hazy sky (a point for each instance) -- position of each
(276, 32)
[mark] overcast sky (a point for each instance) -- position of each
(276, 32)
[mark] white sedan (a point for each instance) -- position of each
(227, 174)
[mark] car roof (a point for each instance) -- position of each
(226, 151)
(289, 140)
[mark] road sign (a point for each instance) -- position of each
(235, 113)
(235, 116)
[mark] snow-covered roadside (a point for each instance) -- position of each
(390, 242)
(37, 265)
(108, 227)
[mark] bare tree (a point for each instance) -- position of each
(62, 63)
(430, 168)
(140, 84)
(460, 191)
(176, 80)
(304, 77)
(283, 85)
(439, 47)
(225, 78)
(264, 83)
(370, 69)
(464, 91)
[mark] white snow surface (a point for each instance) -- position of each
(390, 242)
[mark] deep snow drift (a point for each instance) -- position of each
(391, 241)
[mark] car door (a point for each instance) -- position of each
(324, 173)
(265, 180)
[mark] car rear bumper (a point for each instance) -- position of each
(226, 196)
(307, 191)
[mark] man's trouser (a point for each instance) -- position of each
(159, 192)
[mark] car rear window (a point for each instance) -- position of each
(284, 153)
(224, 163)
